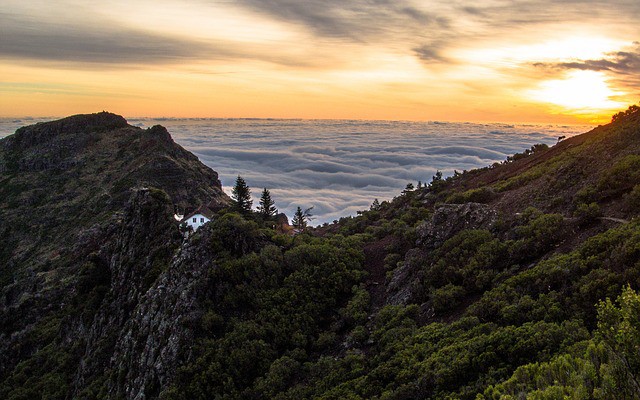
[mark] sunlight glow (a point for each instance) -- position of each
(581, 91)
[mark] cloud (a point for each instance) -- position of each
(30, 38)
(619, 62)
(622, 66)
(339, 167)
(97, 41)
(428, 53)
(354, 20)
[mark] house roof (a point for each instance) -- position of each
(200, 210)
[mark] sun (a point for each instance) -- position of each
(581, 93)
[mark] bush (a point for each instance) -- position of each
(447, 297)
(587, 194)
(623, 175)
(480, 195)
(632, 199)
(587, 213)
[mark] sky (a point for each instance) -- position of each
(550, 61)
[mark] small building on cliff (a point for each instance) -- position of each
(198, 218)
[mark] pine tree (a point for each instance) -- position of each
(241, 195)
(267, 206)
(375, 205)
(300, 218)
(408, 188)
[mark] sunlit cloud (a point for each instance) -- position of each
(386, 59)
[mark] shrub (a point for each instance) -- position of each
(623, 175)
(587, 213)
(447, 297)
(587, 194)
(632, 199)
(480, 195)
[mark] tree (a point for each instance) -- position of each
(436, 181)
(408, 188)
(241, 195)
(375, 205)
(619, 329)
(300, 218)
(267, 206)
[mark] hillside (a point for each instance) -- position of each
(488, 284)
(68, 191)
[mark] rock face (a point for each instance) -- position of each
(403, 285)
(93, 269)
(157, 339)
(449, 219)
(144, 241)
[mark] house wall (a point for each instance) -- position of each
(199, 221)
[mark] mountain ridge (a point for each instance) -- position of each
(464, 288)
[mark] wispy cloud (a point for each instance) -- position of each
(623, 66)
(358, 20)
(397, 59)
(25, 37)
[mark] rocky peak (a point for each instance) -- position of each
(83, 123)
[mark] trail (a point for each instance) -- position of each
(618, 220)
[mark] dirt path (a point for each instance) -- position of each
(618, 220)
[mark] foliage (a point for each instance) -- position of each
(241, 195)
(605, 367)
(633, 199)
(480, 195)
(301, 218)
(536, 148)
(268, 310)
(621, 176)
(632, 110)
(267, 206)
(587, 213)
(619, 329)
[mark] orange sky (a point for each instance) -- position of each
(510, 61)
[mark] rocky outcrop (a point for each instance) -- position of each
(404, 286)
(142, 331)
(157, 338)
(404, 283)
(142, 246)
(85, 250)
(449, 219)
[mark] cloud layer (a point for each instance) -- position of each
(340, 167)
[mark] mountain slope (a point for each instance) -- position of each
(86, 217)
(481, 285)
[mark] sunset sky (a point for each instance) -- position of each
(511, 61)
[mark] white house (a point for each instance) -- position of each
(198, 218)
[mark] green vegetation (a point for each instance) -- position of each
(270, 308)
(267, 208)
(241, 195)
(508, 299)
(301, 218)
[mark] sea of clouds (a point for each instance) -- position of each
(340, 166)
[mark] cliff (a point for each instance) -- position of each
(86, 217)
